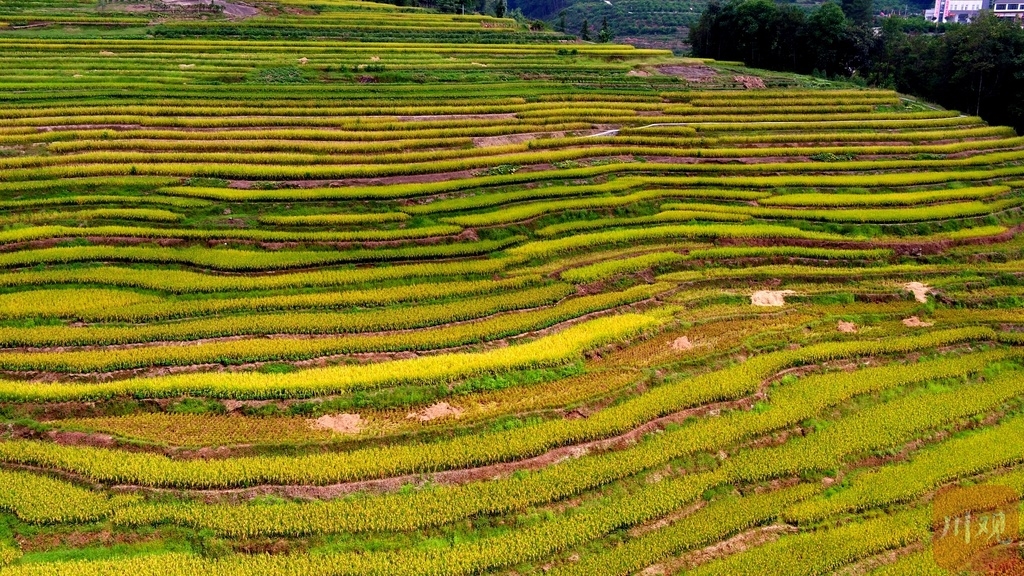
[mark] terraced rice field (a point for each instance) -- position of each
(450, 304)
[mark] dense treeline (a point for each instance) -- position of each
(977, 68)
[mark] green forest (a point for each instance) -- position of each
(977, 68)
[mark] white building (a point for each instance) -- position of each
(955, 10)
(1008, 10)
(967, 10)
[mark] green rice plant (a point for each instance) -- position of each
(863, 215)
(248, 260)
(104, 305)
(143, 214)
(256, 323)
(335, 219)
(548, 248)
(44, 500)
(508, 215)
(824, 551)
(43, 232)
(82, 200)
(610, 268)
(887, 199)
(548, 351)
(667, 216)
(240, 351)
(805, 401)
(982, 451)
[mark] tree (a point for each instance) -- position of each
(499, 9)
(481, 6)
(860, 12)
(827, 31)
(561, 21)
(585, 30)
(605, 35)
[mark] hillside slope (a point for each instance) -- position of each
(347, 289)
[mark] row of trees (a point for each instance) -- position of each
(976, 68)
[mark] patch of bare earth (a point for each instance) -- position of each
(846, 327)
(638, 73)
(694, 73)
(436, 411)
(915, 322)
(770, 297)
(919, 290)
(682, 344)
(750, 82)
(342, 423)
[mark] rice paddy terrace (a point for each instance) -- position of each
(438, 295)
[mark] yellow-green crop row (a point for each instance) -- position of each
(446, 504)
(262, 324)
(188, 282)
(301, 169)
(144, 214)
(508, 215)
(247, 260)
(44, 500)
(104, 305)
(335, 219)
(239, 351)
(925, 213)
(552, 350)
(668, 216)
(466, 451)
(885, 199)
(43, 232)
(984, 450)
(547, 248)
(103, 199)
(824, 551)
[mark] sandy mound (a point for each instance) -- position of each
(303, 60)
(106, 53)
(847, 327)
(435, 411)
(343, 423)
(750, 82)
(682, 344)
(770, 297)
(639, 73)
(920, 291)
(915, 322)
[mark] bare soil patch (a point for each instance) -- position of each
(919, 290)
(750, 82)
(770, 297)
(436, 411)
(915, 322)
(682, 344)
(343, 423)
(638, 73)
(846, 327)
